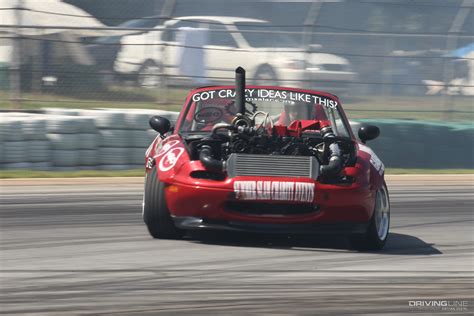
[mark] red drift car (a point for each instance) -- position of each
(265, 159)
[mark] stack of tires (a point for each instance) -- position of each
(14, 145)
(74, 141)
(86, 142)
(141, 137)
(133, 138)
(71, 139)
(39, 148)
(422, 144)
(114, 138)
(87, 150)
(23, 142)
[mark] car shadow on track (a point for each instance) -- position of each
(397, 244)
(402, 244)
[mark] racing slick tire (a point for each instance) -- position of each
(155, 211)
(377, 232)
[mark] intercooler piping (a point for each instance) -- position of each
(211, 164)
(334, 166)
(219, 126)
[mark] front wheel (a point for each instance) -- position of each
(149, 75)
(155, 211)
(377, 232)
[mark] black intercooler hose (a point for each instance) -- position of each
(206, 158)
(334, 166)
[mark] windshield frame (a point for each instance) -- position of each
(189, 101)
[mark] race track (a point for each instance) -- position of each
(79, 246)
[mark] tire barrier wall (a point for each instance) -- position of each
(114, 139)
(23, 142)
(422, 144)
(69, 139)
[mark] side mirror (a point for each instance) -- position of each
(368, 132)
(160, 124)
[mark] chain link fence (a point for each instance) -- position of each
(153, 61)
(385, 60)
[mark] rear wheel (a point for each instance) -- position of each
(155, 211)
(377, 232)
(265, 76)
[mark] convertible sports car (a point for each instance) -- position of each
(265, 159)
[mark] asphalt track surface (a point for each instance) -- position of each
(79, 247)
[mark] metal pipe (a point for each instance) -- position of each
(240, 89)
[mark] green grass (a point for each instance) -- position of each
(357, 107)
(115, 97)
(18, 174)
(415, 108)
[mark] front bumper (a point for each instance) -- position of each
(196, 223)
(332, 204)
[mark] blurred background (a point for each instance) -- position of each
(80, 78)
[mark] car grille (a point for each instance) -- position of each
(272, 166)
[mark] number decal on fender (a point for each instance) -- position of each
(149, 163)
(170, 159)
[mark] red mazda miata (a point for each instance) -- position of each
(265, 159)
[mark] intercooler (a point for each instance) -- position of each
(272, 166)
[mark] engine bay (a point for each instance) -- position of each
(253, 135)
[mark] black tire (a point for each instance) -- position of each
(149, 75)
(374, 238)
(265, 76)
(155, 211)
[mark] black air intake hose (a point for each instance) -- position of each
(334, 166)
(211, 164)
